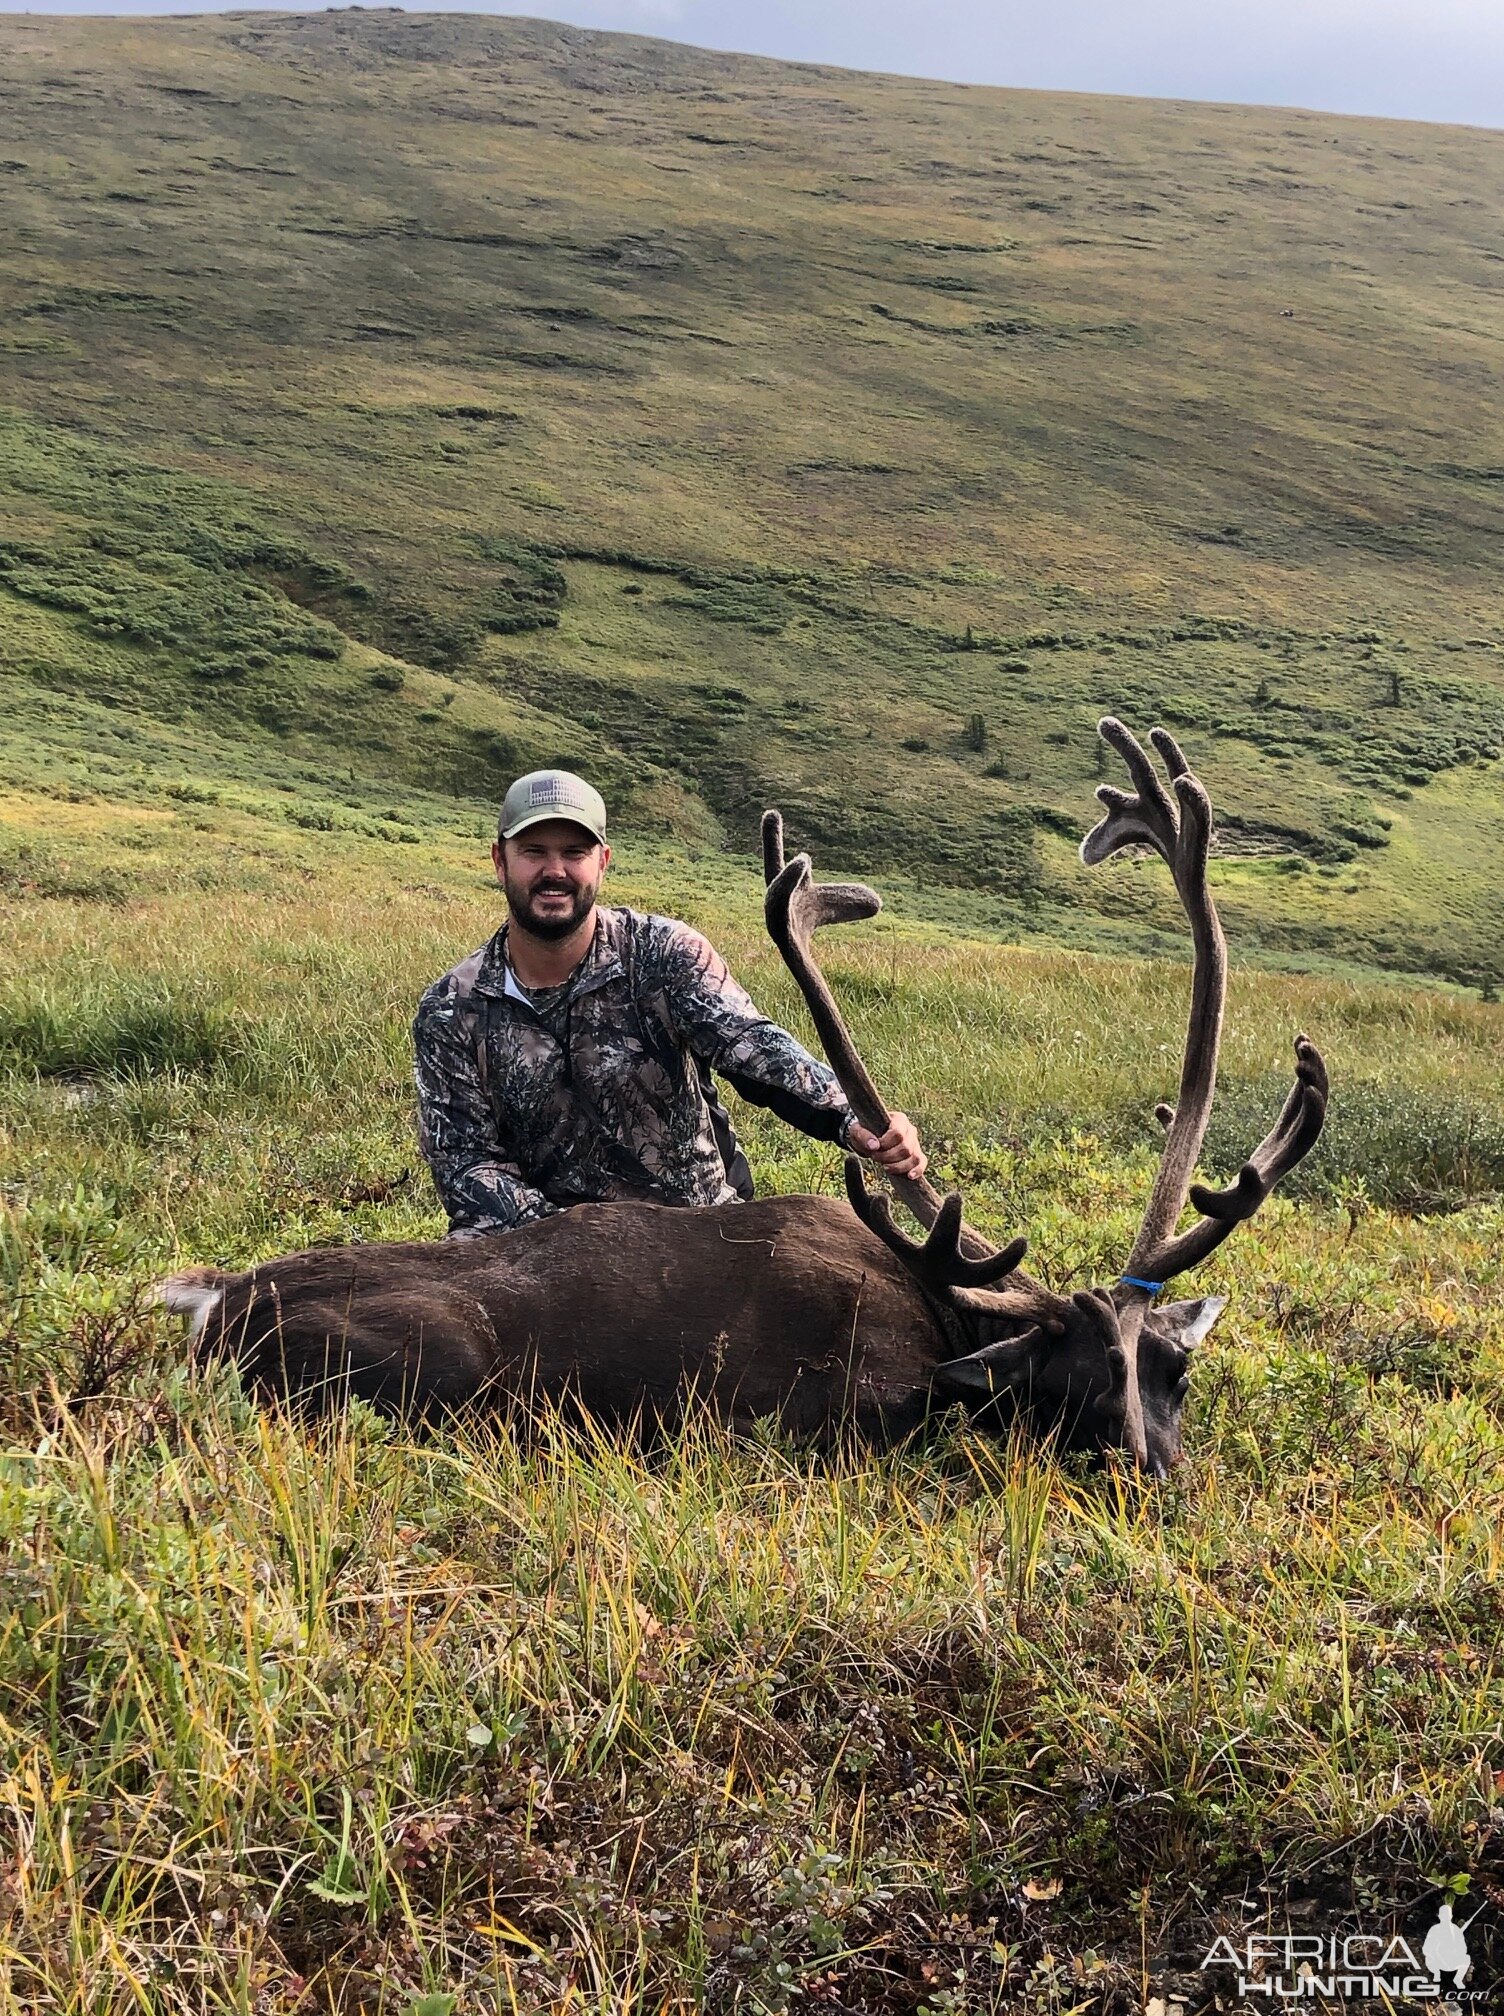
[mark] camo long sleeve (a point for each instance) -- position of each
(479, 1184)
(722, 1024)
(601, 1091)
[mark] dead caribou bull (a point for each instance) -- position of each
(821, 1314)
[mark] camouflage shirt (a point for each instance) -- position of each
(531, 1101)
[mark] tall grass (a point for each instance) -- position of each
(574, 1727)
(119, 1031)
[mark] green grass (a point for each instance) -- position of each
(740, 431)
(339, 1720)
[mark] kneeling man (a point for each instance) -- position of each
(569, 1059)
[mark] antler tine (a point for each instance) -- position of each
(876, 1214)
(772, 845)
(1170, 752)
(796, 906)
(1143, 817)
(1178, 824)
(939, 1263)
(1099, 1309)
(1288, 1142)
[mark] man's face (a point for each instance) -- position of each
(552, 874)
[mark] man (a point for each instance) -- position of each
(569, 1059)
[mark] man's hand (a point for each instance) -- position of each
(897, 1151)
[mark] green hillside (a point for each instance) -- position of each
(389, 402)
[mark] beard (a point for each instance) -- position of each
(550, 925)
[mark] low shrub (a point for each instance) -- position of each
(1406, 1146)
(30, 868)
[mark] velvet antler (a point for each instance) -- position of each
(1177, 824)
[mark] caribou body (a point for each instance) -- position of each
(819, 1313)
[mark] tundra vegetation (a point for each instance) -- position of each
(391, 403)
(340, 1719)
(452, 393)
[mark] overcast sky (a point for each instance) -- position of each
(1413, 59)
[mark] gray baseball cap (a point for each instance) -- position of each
(552, 794)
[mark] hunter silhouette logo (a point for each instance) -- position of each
(1283, 1968)
(1445, 1948)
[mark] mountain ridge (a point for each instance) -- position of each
(749, 431)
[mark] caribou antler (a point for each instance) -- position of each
(796, 906)
(949, 1275)
(1179, 828)
(1291, 1138)
(1062, 1381)
(939, 1264)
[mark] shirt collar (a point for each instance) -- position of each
(601, 962)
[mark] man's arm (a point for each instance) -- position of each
(721, 1023)
(480, 1188)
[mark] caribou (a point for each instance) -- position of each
(820, 1313)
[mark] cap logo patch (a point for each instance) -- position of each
(551, 791)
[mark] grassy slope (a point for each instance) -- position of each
(458, 323)
(950, 1730)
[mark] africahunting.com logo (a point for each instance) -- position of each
(1383, 1967)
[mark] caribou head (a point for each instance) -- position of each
(1106, 1367)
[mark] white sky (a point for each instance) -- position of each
(1413, 59)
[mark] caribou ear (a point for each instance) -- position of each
(1186, 1323)
(981, 1374)
(964, 1379)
